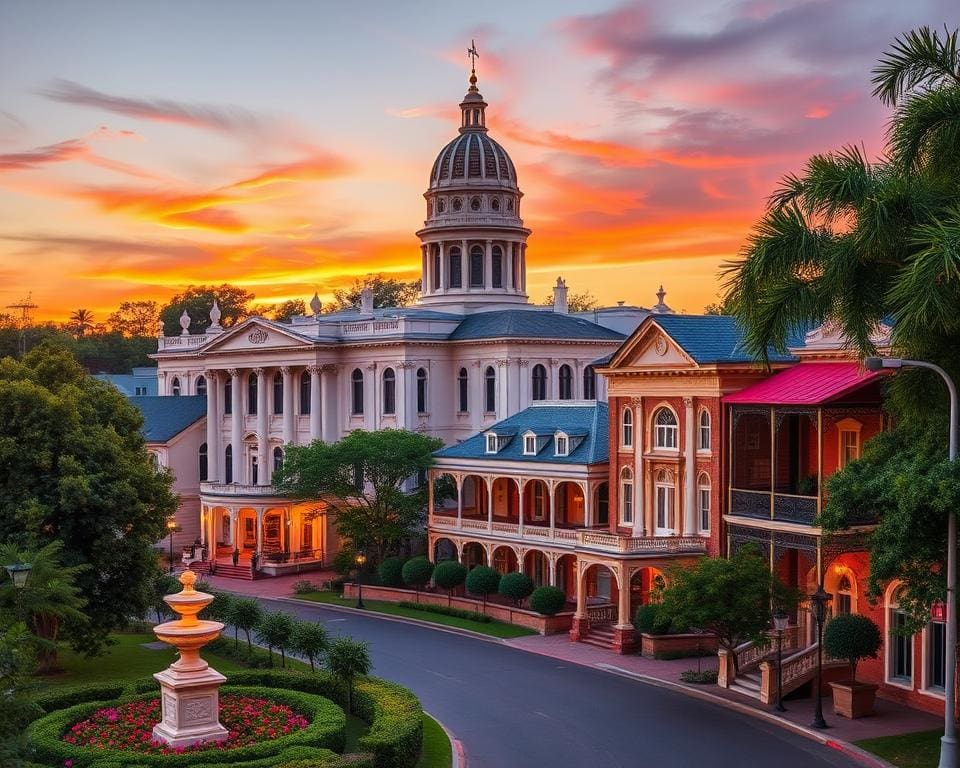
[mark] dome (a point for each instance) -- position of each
(473, 156)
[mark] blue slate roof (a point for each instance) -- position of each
(576, 420)
(714, 338)
(530, 324)
(129, 383)
(166, 417)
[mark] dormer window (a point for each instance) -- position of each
(492, 443)
(562, 444)
(529, 445)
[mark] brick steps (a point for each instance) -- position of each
(227, 571)
(599, 636)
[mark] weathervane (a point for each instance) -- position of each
(472, 53)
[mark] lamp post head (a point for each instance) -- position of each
(171, 525)
(780, 620)
(360, 559)
(819, 599)
(879, 363)
(19, 573)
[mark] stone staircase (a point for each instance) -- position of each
(242, 571)
(599, 636)
(748, 684)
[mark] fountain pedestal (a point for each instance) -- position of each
(189, 688)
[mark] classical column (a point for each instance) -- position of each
(234, 541)
(259, 530)
(213, 426)
(587, 505)
(503, 389)
(552, 565)
(371, 377)
(489, 486)
(316, 401)
(639, 515)
(579, 572)
(521, 486)
(289, 431)
(400, 394)
(236, 425)
(508, 266)
(689, 469)
(443, 267)
(477, 404)
(554, 379)
(488, 266)
(331, 415)
(623, 600)
(424, 272)
(464, 265)
(263, 429)
(523, 376)
(161, 383)
(552, 488)
(523, 267)
(459, 479)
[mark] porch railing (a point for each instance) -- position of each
(610, 542)
(748, 656)
(237, 489)
(798, 668)
(601, 614)
(788, 508)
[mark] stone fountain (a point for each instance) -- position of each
(189, 688)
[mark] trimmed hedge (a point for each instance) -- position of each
(390, 570)
(61, 698)
(460, 613)
(548, 601)
(305, 756)
(326, 730)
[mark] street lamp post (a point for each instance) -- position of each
(172, 527)
(360, 559)
(780, 619)
(19, 573)
(819, 600)
(948, 742)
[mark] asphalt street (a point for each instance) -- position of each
(514, 709)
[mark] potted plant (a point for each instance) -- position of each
(852, 637)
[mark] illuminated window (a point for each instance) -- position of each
(665, 429)
(626, 496)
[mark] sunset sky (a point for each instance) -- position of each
(285, 146)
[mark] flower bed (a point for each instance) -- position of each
(129, 726)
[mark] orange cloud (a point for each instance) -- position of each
(318, 166)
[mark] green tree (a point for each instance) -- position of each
(390, 571)
(113, 353)
(515, 585)
(483, 581)
(287, 309)
(197, 300)
(852, 637)
(387, 292)
(309, 639)
(730, 598)
(449, 575)
(220, 607)
(164, 584)
(245, 615)
(17, 664)
(548, 601)
(47, 601)
(416, 573)
(274, 630)
(135, 318)
(376, 513)
(81, 321)
(576, 302)
(348, 659)
(74, 469)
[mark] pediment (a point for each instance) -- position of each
(651, 347)
(254, 334)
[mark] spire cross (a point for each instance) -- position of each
(474, 55)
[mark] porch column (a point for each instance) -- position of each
(316, 402)
(521, 485)
(259, 531)
(640, 527)
(623, 600)
(203, 510)
(581, 571)
(489, 486)
(263, 429)
(236, 425)
(459, 480)
(552, 569)
(552, 488)
(288, 401)
(488, 266)
(213, 426)
(690, 470)
(233, 528)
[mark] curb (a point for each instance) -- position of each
(845, 747)
(458, 758)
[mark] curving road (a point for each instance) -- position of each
(513, 709)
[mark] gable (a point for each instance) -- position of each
(255, 334)
(651, 347)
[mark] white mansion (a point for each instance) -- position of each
(472, 352)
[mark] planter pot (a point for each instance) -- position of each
(853, 700)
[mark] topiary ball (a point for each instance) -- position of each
(482, 581)
(449, 574)
(416, 572)
(390, 572)
(516, 586)
(548, 601)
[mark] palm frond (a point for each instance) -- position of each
(925, 131)
(920, 58)
(837, 182)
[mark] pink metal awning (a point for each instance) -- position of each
(805, 384)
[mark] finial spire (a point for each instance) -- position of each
(474, 55)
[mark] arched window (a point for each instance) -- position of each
(456, 268)
(666, 496)
(845, 595)
(254, 470)
(665, 429)
(277, 458)
(703, 434)
(703, 502)
(252, 394)
(900, 650)
(566, 382)
(539, 382)
(228, 396)
(356, 389)
(476, 267)
(626, 428)
(626, 496)
(175, 387)
(421, 390)
(490, 390)
(201, 385)
(389, 391)
(589, 383)
(305, 393)
(228, 464)
(462, 391)
(202, 456)
(497, 266)
(278, 392)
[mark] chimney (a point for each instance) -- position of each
(366, 301)
(560, 297)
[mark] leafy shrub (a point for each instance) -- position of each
(254, 658)
(274, 631)
(483, 581)
(61, 698)
(245, 614)
(650, 619)
(515, 585)
(336, 585)
(443, 610)
(416, 573)
(548, 601)
(390, 572)
(852, 637)
(345, 561)
(309, 639)
(304, 587)
(678, 654)
(449, 575)
(706, 677)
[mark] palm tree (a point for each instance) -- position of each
(81, 321)
(858, 241)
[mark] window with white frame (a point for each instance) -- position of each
(665, 429)
(529, 445)
(626, 496)
(666, 497)
(935, 656)
(900, 649)
(562, 444)
(703, 432)
(703, 502)
(626, 428)
(845, 594)
(539, 501)
(491, 443)
(175, 387)
(849, 446)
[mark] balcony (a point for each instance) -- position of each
(787, 508)
(180, 343)
(640, 545)
(237, 489)
(532, 533)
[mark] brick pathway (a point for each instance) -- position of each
(274, 586)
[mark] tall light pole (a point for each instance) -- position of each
(819, 600)
(360, 560)
(948, 742)
(172, 527)
(780, 621)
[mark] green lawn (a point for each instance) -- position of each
(909, 750)
(437, 750)
(493, 628)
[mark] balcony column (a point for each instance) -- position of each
(521, 485)
(316, 401)
(263, 429)
(236, 425)
(488, 266)
(552, 570)
(489, 486)
(587, 505)
(552, 489)
(289, 433)
(459, 481)
(213, 425)
(689, 470)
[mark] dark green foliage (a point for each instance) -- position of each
(548, 601)
(706, 677)
(220, 607)
(387, 292)
(515, 585)
(309, 639)
(274, 630)
(197, 300)
(444, 610)
(650, 620)
(344, 562)
(449, 575)
(18, 705)
(165, 583)
(348, 659)
(482, 581)
(416, 573)
(390, 572)
(852, 637)
(245, 614)
(252, 658)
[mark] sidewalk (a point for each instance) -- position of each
(275, 586)
(890, 718)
